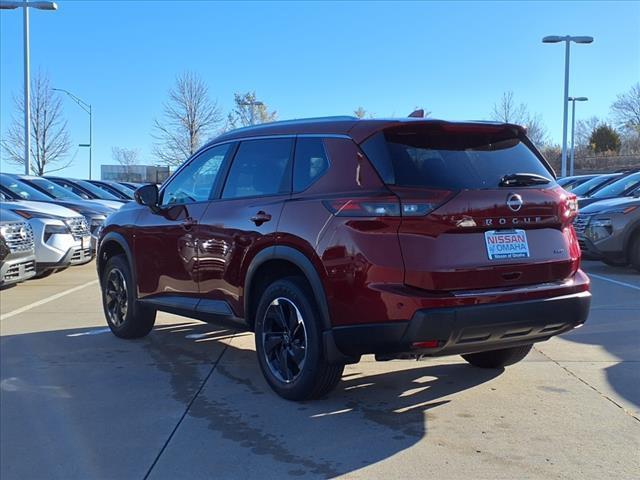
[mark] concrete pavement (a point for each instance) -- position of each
(189, 401)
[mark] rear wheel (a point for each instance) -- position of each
(289, 342)
(634, 252)
(126, 317)
(498, 358)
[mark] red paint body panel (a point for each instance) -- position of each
(372, 269)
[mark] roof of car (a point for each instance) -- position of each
(358, 129)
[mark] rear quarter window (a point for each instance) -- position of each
(310, 162)
(430, 157)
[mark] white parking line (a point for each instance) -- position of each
(617, 282)
(20, 310)
(97, 331)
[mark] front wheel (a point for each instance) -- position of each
(126, 317)
(498, 358)
(634, 252)
(289, 342)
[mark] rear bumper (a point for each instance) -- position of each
(460, 330)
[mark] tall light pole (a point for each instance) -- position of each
(27, 93)
(87, 108)
(573, 129)
(252, 105)
(567, 39)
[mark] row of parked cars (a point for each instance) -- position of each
(608, 223)
(50, 223)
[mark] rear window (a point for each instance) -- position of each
(452, 160)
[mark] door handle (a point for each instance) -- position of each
(188, 223)
(260, 218)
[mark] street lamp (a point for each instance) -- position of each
(567, 39)
(27, 94)
(573, 128)
(251, 104)
(87, 108)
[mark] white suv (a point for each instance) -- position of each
(62, 236)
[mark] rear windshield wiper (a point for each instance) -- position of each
(522, 180)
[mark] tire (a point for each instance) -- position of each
(614, 263)
(289, 343)
(634, 252)
(126, 317)
(498, 358)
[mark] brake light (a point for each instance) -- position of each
(386, 206)
(568, 207)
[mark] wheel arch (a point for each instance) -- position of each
(282, 255)
(114, 243)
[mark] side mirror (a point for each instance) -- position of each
(147, 195)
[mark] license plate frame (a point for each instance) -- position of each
(506, 244)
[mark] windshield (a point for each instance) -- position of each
(472, 158)
(119, 189)
(619, 187)
(24, 191)
(592, 184)
(97, 191)
(55, 190)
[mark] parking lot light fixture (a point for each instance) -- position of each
(27, 94)
(567, 39)
(573, 129)
(87, 108)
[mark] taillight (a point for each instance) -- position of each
(568, 206)
(384, 207)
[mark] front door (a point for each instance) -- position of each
(165, 242)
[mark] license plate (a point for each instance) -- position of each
(505, 244)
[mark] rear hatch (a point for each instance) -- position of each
(480, 209)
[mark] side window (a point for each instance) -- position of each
(259, 168)
(310, 162)
(72, 188)
(195, 182)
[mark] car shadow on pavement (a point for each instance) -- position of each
(367, 418)
(94, 393)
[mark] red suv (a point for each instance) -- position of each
(337, 237)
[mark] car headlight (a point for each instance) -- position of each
(598, 229)
(29, 214)
(95, 225)
(53, 229)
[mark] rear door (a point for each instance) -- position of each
(242, 221)
(465, 225)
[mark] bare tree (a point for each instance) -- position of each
(360, 112)
(508, 111)
(189, 117)
(50, 141)
(584, 129)
(626, 109)
(248, 109)
(127, 157)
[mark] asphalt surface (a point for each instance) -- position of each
(188, 401)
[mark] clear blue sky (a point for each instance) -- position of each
(313, 59)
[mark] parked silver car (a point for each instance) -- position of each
(609, 230)
(61, 235)
(17, 252)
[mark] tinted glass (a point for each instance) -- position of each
(96, 191)
(259, 168)
(592, 184)
(431, 157)
(195, 182)
(54, 190)
(619, 187)
(310, 162)
(72, 188)
(22, 190)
